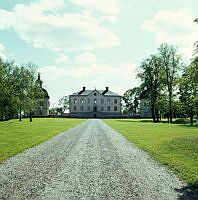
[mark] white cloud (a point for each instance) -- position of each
(124, 71)
(40, 24)
(174, 27)
(106, 6)
(7, 19)
(2, 52)
(86, 57)
(61, 58)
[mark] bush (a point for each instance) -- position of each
(183, 121)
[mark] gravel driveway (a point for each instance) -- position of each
(90, 161)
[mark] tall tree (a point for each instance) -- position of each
(21, 87)
(151, 74)
(188, 89)
(8, 107)
(33, 90)
(171, 65)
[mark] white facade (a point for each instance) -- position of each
(95, 103)
(43, 104)
(42, 107)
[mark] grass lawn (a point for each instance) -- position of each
(17, 136)
(174, 145)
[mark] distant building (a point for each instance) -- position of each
(145, 111)
(42, 106)
(95, 103)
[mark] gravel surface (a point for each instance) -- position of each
(90, 161)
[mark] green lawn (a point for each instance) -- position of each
(174, 145)
(17, 136)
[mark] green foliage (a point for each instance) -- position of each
(182, 121)
(174, 145)
(131, 100)
(188, 89)
(151, 75)
(18, 89)
(17, 136)
(64, 104)
(160, 76)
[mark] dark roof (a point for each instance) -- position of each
(46, 95)
(102, 92)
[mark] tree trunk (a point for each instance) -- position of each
(191, 117)
(20, 115)
(158, 116)
(170, 109)
(30, 116)
(153, 112)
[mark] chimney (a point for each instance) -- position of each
(84, 88)
(107, 89)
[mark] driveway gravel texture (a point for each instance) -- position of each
(90, 161)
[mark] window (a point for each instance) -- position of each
(88, 108)
(108, 101)
(95, 100)
(41, 104)
(108, 108)
(81, 108)
(75, 101)
(102, 108)
(75, 108)
(82, 101)
(95, 94)
(115, 101)
(88, 100)
(115, 108)
(102, 101)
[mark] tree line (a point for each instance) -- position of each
(170, 86)
(19, 90)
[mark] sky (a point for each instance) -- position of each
(93, 43)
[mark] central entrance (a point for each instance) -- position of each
(95, 109)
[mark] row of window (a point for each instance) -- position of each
(102, 101)
(95, 109)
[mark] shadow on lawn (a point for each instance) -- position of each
(188, 193)
(164, 122)
(132, 121)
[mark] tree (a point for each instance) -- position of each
(8, 107)
(131, 100)
(188, 89)
(64, 104)
(151, 75)
(171, 64)
(33, 90)
(21, 87)
(18, 89)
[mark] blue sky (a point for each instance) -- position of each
(93, 43)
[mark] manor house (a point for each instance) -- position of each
(42, 106)
(95, 103)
